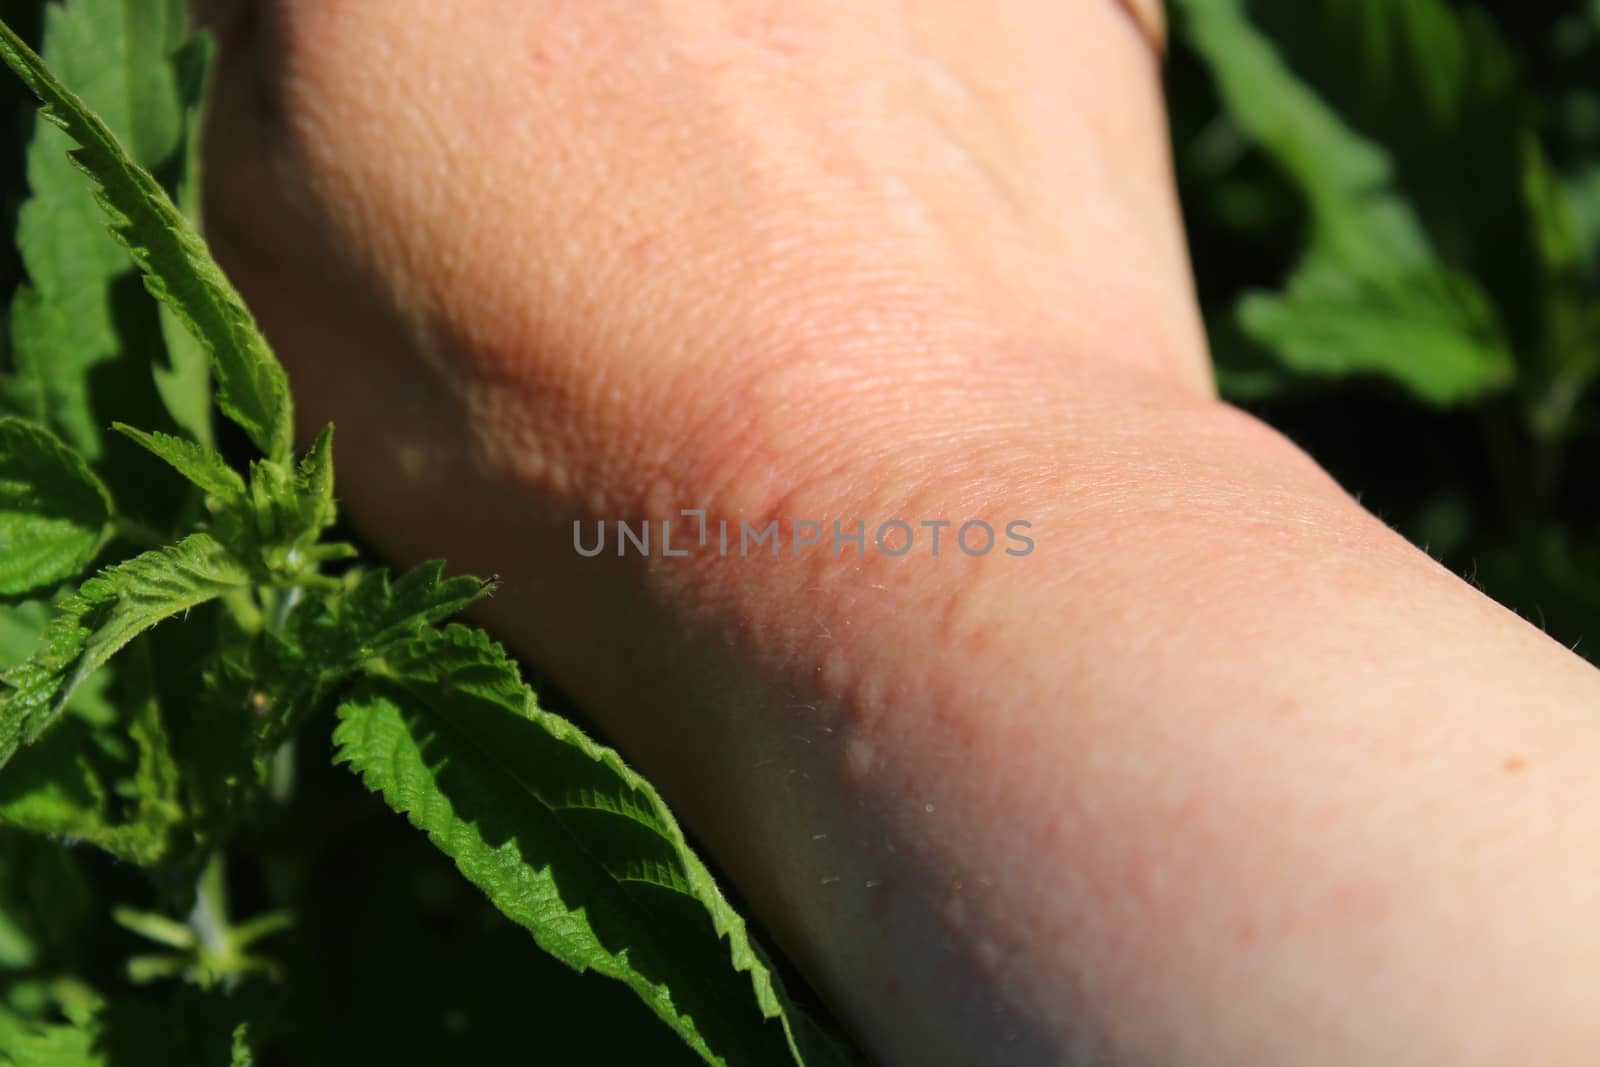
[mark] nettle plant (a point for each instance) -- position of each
(1395, 211)
(164, 719)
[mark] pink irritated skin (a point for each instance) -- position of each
(1222, 773)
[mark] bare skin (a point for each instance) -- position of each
(1222, 773)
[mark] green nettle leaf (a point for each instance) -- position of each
(1570, 344)
(337, 635)
(340, 634)
(329, 638)
(56, 1046)
(53, 510)
(22, 627)
(1436, 85)
(1554, 231)
(17, 951)
(201, 464)
(292, 507)
(242, 1055)
(47, 904)
(1372, 294)
(1432, 330)
(313, 486)
(192, 1026)
(110, 610)
(83, 336)
(185, 381)
(564, 839)
(60, 788)
(1583, 195)
(252, 389)
(276, 520)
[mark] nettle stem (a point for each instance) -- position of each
(286, 601)
(138, 533)
(209, 920)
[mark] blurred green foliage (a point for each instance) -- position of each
(1394, 209)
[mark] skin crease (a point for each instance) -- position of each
(1224, 773)
(1152, 19)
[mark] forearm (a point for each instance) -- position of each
(1222, 773)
